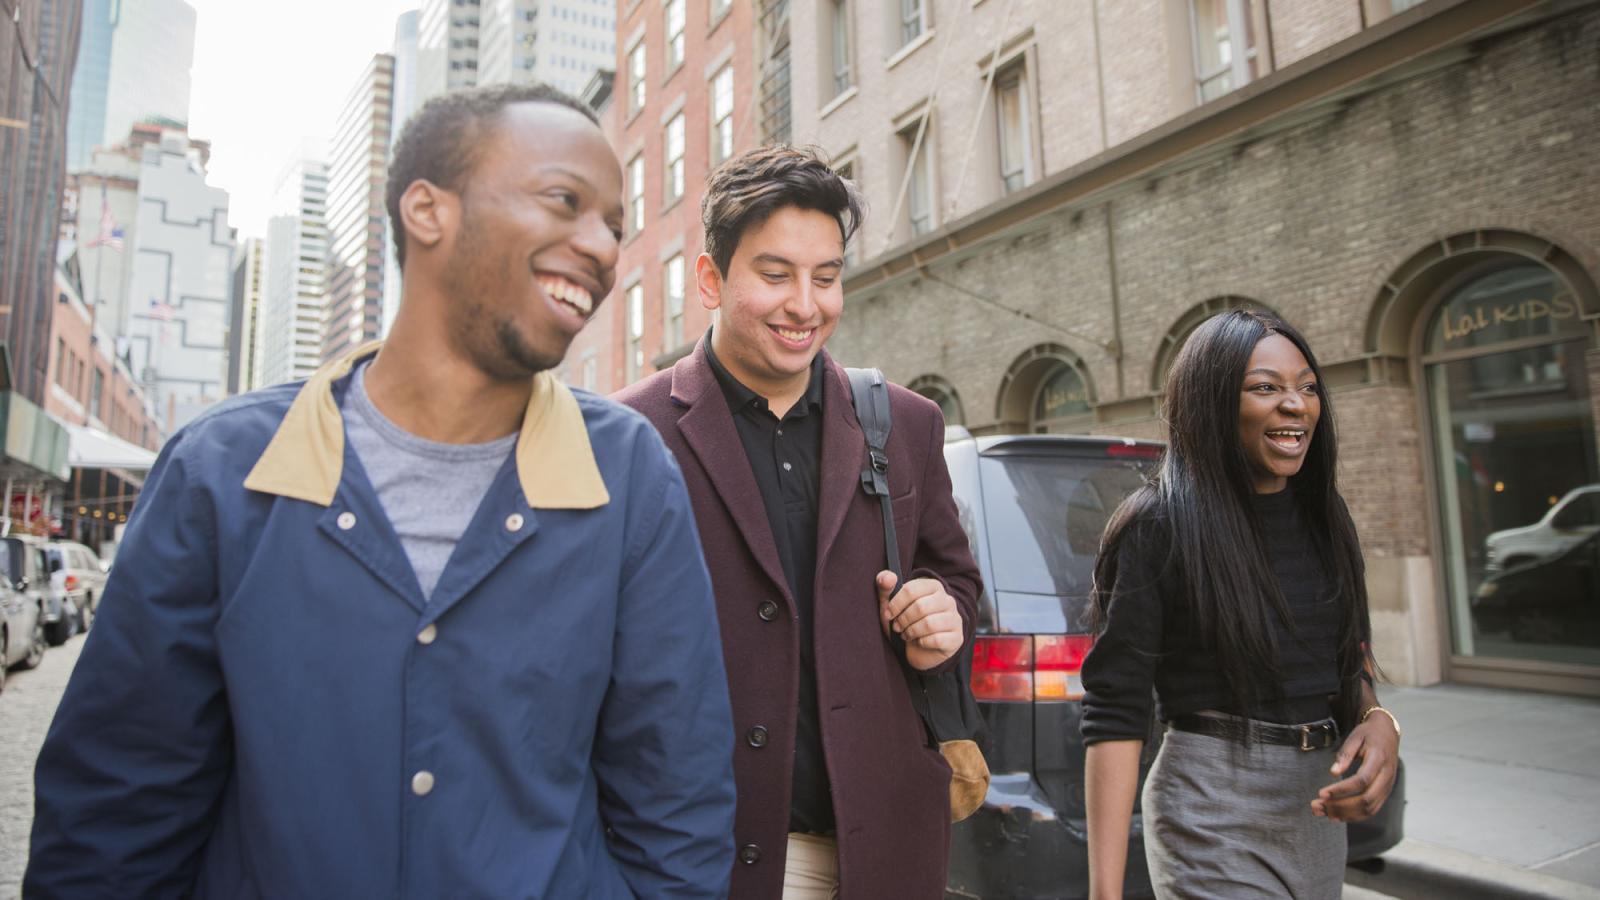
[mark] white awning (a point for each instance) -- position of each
(91, 448)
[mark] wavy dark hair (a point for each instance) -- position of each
(1202, 498)
(744, 192)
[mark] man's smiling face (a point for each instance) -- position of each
(535, 252)
(780, 299)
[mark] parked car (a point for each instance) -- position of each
(1574, 517)
(1034, 508)
(81, 574)
(22, 638)
(60, 616)
(1555, 600)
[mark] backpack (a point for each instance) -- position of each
(945, 703)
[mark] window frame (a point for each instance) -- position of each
(674, 181)
(675, 39)
(723, 122)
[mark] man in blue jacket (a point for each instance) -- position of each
(430, 624)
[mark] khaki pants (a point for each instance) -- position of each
(811, 869)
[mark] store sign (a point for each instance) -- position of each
(1495, 322)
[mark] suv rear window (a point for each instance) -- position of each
(1046, 514)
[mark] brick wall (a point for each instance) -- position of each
(1311, 221)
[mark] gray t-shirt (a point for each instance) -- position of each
(430, 491)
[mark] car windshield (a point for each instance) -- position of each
(1046, 514)
(10, 555)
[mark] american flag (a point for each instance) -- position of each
(161, 312)
(110, 232)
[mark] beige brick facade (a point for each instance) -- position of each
(1344, 216)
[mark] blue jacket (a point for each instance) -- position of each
(267, 707)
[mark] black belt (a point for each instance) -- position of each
(1313, 736)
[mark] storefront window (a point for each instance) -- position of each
(1519, 484)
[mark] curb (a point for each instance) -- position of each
(1417, 870)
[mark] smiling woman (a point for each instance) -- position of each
(1233, 585)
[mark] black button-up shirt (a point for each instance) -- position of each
(786, 457)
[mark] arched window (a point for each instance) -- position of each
(1047, 390)
(942, 393)
(1185, 325)
(1513, 423)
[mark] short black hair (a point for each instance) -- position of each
(442, 140)
(746, 190)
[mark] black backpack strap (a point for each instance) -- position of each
(870, 394)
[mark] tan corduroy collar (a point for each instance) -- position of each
(555, 462)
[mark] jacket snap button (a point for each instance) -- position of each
(757, 736)
(767, 610)
(514, 522)
(422, 783)
(427, 634)
(346, 521)
(749, 854)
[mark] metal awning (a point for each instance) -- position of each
(91, 448)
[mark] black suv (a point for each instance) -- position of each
(1034, 507)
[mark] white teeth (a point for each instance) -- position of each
(791, 334)
(566, 291)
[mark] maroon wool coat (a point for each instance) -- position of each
(890, 789)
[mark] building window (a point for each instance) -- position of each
(675, 23)
(1507, 383)
(672, 305)
(940, 392)
(674, 151)
(636, 78)
(1012, 126)
(1224, 46)
(913, 20)
(61, 361)
(719, 8)
(847, 171)
(919, 192)
(777, 126)
(722, 115)
(591, 372)
(839, 35)
(635, 333)
(636, 194)
(97, 385)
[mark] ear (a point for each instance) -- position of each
(708, 281)
(428, 213)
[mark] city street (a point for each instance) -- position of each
(26, 707)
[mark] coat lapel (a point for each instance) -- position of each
(707, 427)
(843, 456)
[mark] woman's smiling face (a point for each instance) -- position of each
(1279, 405)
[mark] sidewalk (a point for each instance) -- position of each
(1502, 791)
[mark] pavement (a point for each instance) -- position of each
(1502, 789)
(26, 707)
(1502, 796)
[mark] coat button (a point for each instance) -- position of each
(346, 521)
(422, 783)
(756, 736)
(426, 635)
(749, 854)
(767, 610)
(514, 522)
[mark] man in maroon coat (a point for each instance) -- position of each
(840, 793)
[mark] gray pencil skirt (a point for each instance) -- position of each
(1221, 823)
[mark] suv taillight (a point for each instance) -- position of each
(1027, 667)
(72, 582)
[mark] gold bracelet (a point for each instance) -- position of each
(1380, 709)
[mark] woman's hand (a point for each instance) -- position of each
(1377, 743)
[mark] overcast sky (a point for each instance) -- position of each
(267, 76)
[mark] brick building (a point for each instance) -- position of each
(686, 96)
(1412, 184)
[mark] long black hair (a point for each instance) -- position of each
(1201, 498)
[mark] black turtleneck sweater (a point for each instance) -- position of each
(1151, 638)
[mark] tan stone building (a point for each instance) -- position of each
(1061, 189)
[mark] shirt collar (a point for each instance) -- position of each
(739, 396)
(555, 462)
